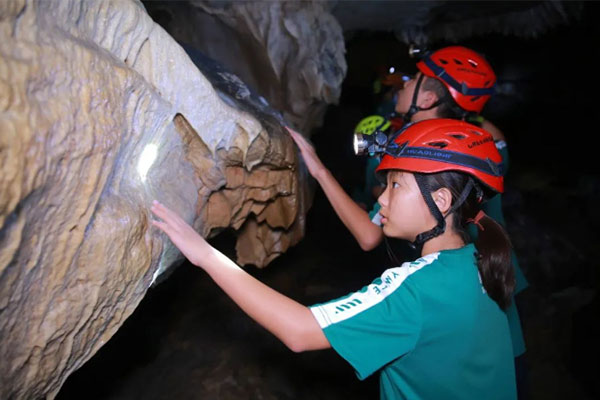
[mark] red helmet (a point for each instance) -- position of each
(438, 145)
(467, 75)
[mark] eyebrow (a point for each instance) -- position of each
(396, 175)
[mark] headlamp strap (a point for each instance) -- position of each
(451, 157)
(394, 149)
(459, 87)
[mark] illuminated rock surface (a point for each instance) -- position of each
(101, 112)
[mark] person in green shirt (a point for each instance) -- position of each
(452, 82)
(434, 328)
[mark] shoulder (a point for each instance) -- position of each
(493, 129)
(447, 267)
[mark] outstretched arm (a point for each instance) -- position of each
(288, 320)
(355, 218)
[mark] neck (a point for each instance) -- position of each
(446, 241)
(423, 115)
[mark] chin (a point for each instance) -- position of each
(389, 232)
(386, 231)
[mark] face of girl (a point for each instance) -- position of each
(403, 209)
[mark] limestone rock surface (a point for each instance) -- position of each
(101, 112)
(292, 52)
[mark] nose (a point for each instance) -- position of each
(383, 198)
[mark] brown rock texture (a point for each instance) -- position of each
(291, 52)
(101, 112)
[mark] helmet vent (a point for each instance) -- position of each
(475, 98)
(473, 64)
(443, 61)
(486, 83)
(458, 136)
(458, 62)
(474, 132)
(439, 145)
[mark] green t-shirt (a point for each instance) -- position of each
(375, 216)
(493, 208)
(429, 327)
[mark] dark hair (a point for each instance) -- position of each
(492, 243)
(448, 107)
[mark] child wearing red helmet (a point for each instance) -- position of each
(453, 82)
(434, 328)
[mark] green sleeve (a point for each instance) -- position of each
(376, 325)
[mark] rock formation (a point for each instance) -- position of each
(101, 112)
(290, 52)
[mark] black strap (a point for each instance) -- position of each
(463, 196)
(414, 108)
(435, 211)
(413, 104)
(460, 87)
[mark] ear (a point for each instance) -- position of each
(443, 199)
(427, 98)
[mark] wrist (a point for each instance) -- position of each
(202, 255)
(322, 174)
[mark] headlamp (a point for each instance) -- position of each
(415, 51)
(372, 144)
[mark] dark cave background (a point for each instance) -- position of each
(186, 340)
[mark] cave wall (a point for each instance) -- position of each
(292, 53)
(101, 112)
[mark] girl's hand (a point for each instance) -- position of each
(313, 163)
(188, 241)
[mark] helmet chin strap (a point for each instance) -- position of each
(435, 211)
(414, 108)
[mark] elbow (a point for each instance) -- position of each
(296, 344)
(370, 241)
(302, 332)
(296, 347)
(305, 339)
(366, 246)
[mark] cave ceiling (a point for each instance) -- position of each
(430, 21)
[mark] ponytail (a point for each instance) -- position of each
(494, 259)
(492, 243)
